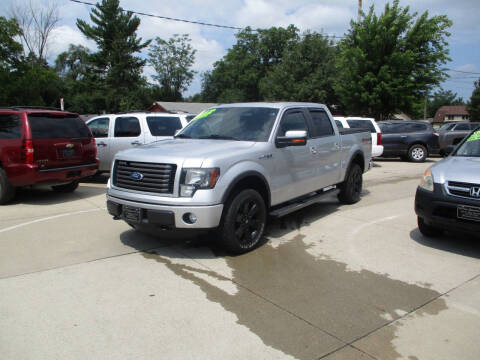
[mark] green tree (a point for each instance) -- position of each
(10, 49)
(237, 76)
(306, 72)
(441, 98)
(114, 31)
(474, 104)
(172, 61)
(388, 63)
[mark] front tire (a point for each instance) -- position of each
(417, 153)
(7, 190)
(351, 188)
(67, 188)
(428, 230)
(244, 222)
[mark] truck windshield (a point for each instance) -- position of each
(232, 123)
(471, 147)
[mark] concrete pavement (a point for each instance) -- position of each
(331, 281)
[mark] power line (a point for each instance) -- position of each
(167, 18)
(464, 72)
(187, 21)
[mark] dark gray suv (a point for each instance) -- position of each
(453, 133)
(410, 140)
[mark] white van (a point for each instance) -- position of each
(364, 123)
(116, 132)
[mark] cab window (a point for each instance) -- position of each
(127, 126)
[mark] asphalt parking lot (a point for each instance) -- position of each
(331, 281)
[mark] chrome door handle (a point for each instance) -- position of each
(136, 143)
(313, 150)
(403, 136)
(101, 144)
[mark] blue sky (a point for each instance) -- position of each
(330, 16)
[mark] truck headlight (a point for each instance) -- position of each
(426, 182)
(194, 179)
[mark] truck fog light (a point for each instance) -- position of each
(190, 218)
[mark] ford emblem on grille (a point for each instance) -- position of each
(136, 176)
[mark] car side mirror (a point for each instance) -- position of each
(292, 138)
(449, 149)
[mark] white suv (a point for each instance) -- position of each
(116, 132)
(365, 123)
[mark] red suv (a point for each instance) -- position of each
(43, 146)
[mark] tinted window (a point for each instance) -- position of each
(474, 126)
(322, 125)
(293, 120)
(127, 126)
(10, 127)
(462, 127)
(390, 128)
(99, 127)
(190, 117)
(49, 127)
(362, 124)
(163, 125)
(339, 124)
(416, 127)
(447, 127)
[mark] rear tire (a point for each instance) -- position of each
(67, 188)
(7, 190)
(351, 188)
(417, 153)
(428, 230)
(244, 222)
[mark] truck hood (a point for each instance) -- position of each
(185, 152)
(457, 168)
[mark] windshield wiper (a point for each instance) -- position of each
(218, 137)
(183, 136)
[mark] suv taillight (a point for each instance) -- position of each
(379, 138)
(95, 150)
(28, 151)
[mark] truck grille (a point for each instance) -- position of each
(148, 177)
(466, 190)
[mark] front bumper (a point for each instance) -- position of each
(167, 216)
(439, 209)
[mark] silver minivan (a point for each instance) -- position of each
(117, 132)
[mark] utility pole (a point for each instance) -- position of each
(359, 10)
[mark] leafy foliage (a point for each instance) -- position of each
(474, 104)
(10, 50)
(306, 72)
(388, 62)
(119, 71)
(172, 61)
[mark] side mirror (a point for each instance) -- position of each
(449, 149)
(292, 138)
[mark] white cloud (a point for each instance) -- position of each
(64, 35)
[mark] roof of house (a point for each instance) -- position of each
(449, 110)
(188, 107)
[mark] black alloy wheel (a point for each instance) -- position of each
(244, 222)
(351, 188)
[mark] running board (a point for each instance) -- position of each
(304, 202)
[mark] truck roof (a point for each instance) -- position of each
(277, 105)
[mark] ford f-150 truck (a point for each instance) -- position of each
(234, 165)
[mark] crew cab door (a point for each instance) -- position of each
(326, 148)
(295, 171)
(127, 134)
(102, 133)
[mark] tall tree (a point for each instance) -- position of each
(388, 62)
(172, 61)
(474, 104)
(74, 63)
(306, 72)
(114, 31)
(37, 22)
(236, 77)
(441, 98)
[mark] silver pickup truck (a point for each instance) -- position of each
(233, 165)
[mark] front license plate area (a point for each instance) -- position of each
(132, 214)
(468, 212)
